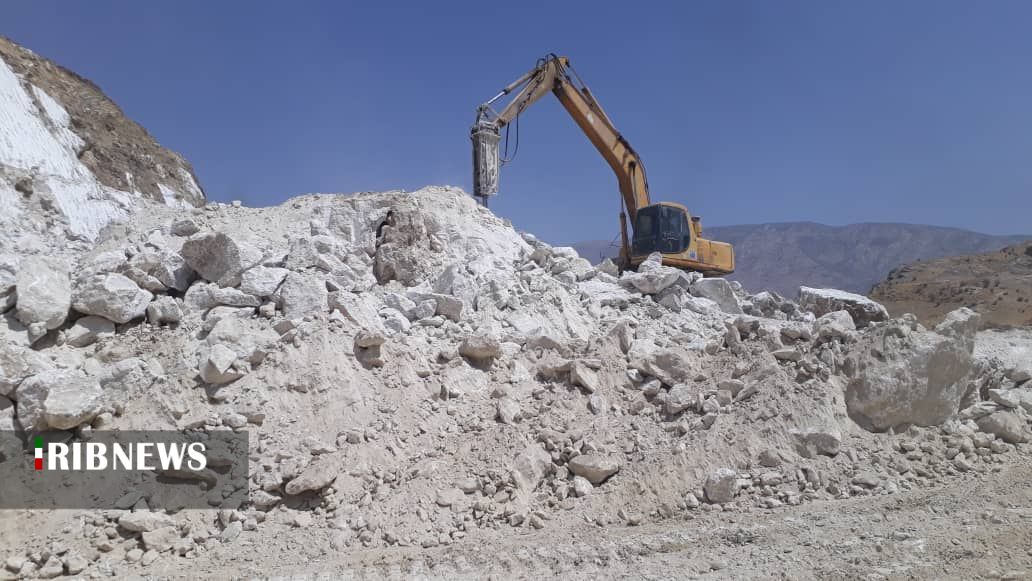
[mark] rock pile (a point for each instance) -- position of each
(414, 372)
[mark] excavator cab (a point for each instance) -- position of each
(661, 228)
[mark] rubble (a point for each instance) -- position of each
(412, 372)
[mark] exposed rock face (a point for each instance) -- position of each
(822, 301)
(69, 153)
(902, 375)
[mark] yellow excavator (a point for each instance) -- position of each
(664, 227)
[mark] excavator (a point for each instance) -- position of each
(664, 227)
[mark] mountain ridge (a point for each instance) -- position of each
(781, 256)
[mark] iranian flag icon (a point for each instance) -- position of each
(39, 452)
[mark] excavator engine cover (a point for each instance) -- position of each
(485, 161)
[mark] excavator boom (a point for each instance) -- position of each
(664, 227)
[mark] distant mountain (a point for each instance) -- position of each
(997, 284)
(781, 257)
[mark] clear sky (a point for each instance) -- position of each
(827, 111)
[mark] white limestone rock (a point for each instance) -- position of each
(112, 296)
(44, 292)
(87, 330)
(821, 301)
(57, 399)
(219, 257)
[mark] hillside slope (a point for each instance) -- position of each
(70, 161)
(783, 257)
(996, 284)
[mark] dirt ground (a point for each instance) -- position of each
(977, 527)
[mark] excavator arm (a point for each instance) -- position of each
(664, 227)
(554, 74)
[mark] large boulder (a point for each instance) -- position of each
(168, 268)
(810, 442)
(1006, 425)
(57, 399)
(164, 309)
(670, 366)
(262, 281)
(606, 293)
(219, 365)
(315, 477)
(145, 521)
(44, 292)
(821, 301)
(480, 347)
(241, 336)
(596, 468)
(18, 363)
(8, 281)
(303, 295)
(112, 296)
(652, 277)
(88, 330)
(358, 309)
(530, 467)
(834, 325)
(719, 291)
(901, 375)
(220, 258)
(721, 486)
(205, 295)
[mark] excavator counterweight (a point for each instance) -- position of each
(664, 227)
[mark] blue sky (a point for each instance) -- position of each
(766, 111)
